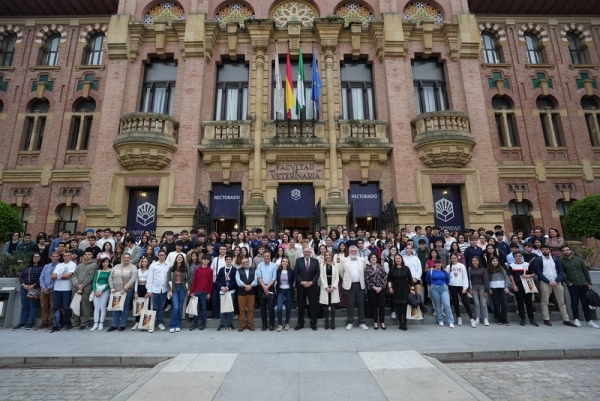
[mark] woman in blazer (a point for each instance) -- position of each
(329, 295)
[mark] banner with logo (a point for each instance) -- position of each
(296, 200)
(448, 212)
(141, 215)
(367, 200)
(225, 201)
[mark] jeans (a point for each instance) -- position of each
(480, 302)
(62, 299)
(29, 308)
(441, 296)
(227, 319)
(177, 299)
(201, 308)
(158, 304)
(500, 305)
(284, 295)
(577, 293)
(267, 305)
(120, 317)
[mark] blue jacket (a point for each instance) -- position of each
(221, 282)
(6, 245)
(470, 253)
(538, 267)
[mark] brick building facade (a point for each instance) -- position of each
(456, 112)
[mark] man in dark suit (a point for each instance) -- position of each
(307, 272)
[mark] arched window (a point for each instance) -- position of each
(491, 50)
(67, 217)
(521, 215)
(592, 118)
(35, 122)
(95, 51)
(575, 48)
(50, 51)
(563, 207)
(7, 50)
(534, 52)
(81, 125)
(24, 211)
(505, 121)
(550, 120)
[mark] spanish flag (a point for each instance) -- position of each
(290, 99)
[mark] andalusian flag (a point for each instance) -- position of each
(290, 99)
(300, 92)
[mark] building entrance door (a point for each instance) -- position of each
(448, 210)
(141, 215)
(295, 204)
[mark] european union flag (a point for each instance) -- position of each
(316, 83)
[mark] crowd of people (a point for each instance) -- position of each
(323, 273)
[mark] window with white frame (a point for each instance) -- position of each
(35, 122)
(50, 51)
(534, 51)
(7, 50)
(231, 101)
(576, 49)
(505, 121)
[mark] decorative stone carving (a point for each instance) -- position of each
(294, 11)
(164, 12)
(420, 12)
(354, 12)
(443, 138)
(234, 13)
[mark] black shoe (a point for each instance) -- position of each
(82, 327)
(70, 328)
(271, 328)
(111, 328)
(221, 327)
(264, 328)
(299, 326)
(230, 327)
(522, 322)
(534, 323)
(547, 322)
(194, 327)
(201, 327)
(569, 323)
(121, 328)
(19, 326)
(313, 326)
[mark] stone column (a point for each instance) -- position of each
(256, 209)
(336, 210)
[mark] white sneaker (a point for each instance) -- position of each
(363, 326)
(577, 323)
(151, 331)
(441, 324)
(171, 330)
(177, 329)
(236, 317)
(95, 327)
(477, 321)
(135, 327)
(459, 321)
(286, 327)
(101, 327)
(393, 315)
(162, 326)
(486, 322)
(473, 324)
(451, 325)
(593, 325)
(349, 326)
(279, 328)
(168, 308)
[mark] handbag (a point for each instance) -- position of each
(76, 304)
(192, 308)
(413, 313)
(593, 298)
(33, 293)
(98, 288)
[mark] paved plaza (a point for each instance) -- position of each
(306, 364)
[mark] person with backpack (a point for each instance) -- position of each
(438, 280)
(30, 291)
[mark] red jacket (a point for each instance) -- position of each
(203, 280)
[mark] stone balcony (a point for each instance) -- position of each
(363, 134)
(295, 133)
(146, 141)
(226, 135)
(443, 138)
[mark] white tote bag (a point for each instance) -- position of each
(226, 303)
(192, 308)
